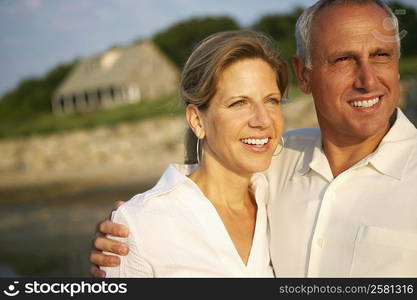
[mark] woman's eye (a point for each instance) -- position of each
(237, 103)
(274, 100)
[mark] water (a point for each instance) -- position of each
(7, 271)
(51, 237)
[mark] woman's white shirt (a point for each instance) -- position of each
(175, 231)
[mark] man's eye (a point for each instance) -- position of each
(340, 59)
(383, 56)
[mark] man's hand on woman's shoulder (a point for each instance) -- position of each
(102, 243)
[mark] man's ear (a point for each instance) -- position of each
(302, 73)
(194, 120)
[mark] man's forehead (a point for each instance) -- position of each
(351, 26)
(359, 51)
(347, 15)
(355, 47)
(351, 8)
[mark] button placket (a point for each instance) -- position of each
(318, 241)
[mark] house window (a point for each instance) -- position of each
(111, 91)
(61, 102)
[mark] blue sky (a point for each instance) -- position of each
(35, 35)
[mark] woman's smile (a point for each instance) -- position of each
(256, 144)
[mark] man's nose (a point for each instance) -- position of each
(261, 117)
(366, 77)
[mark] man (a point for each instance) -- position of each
(342, 198)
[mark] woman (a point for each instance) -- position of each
(209, 219)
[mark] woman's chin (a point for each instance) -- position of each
(257, 166)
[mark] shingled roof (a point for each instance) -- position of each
(141, 67)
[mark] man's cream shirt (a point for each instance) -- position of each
(363, 223)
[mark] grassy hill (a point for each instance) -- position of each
(46, 123)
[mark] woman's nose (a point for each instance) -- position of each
(260, 117)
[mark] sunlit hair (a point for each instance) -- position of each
(304, 23)
(214, 54)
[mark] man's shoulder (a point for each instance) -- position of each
(300, 133)
(298, 151)
(298, 143)
(303, 137)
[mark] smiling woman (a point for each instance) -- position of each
(209, 220)
(242, 125)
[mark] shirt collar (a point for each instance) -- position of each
(173, 175)
(394, 151)
(259, 187)
(390, 158)
(177, 173)
(315, 159)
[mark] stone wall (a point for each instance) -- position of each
(117, 152)
(125, 152)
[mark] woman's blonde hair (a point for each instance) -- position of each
(214, 54)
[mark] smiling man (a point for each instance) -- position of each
(343, 198)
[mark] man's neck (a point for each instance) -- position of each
(342, 157)
(343, 151)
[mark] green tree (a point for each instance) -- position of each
(178, 40)
(281, 28)
(32, 96)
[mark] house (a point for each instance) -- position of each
(119, 76)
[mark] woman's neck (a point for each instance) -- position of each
(230, 195)
(223, 187)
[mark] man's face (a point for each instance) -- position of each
(354, 78)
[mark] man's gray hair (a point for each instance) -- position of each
(305, 21)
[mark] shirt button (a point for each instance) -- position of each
(320, 242)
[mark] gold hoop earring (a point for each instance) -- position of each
(282, 147)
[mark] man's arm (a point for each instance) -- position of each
(102, 243)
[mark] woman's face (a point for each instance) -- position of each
(243, 123)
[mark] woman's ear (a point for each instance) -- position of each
(194, 119)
